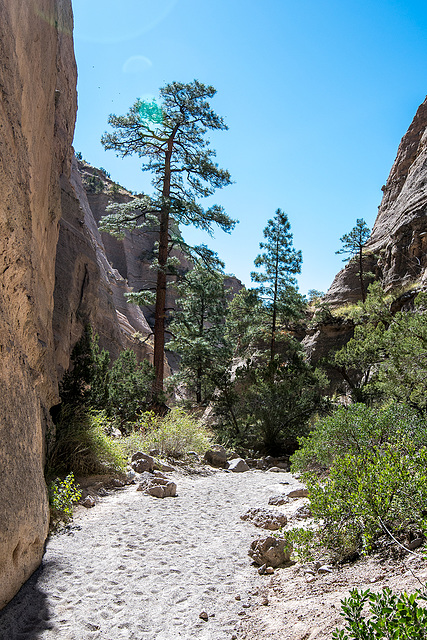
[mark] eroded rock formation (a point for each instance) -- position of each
(37, 114)
(396, 252)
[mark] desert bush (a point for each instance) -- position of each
(63, 495)
(174, 434)
(397, 617)
(364, 493)
(356, 429)
(365, 469)
(82, 443)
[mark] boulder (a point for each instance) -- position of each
(266, 518)
(278, 500)
(141, 462)
(270, 551)
(238, 465)
(216, 456)
(157, 486)
(298, 492)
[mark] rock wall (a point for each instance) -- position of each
(396, 252)
(37, 114)
(88, 289)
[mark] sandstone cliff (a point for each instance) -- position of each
(396, 252)
(37, 113)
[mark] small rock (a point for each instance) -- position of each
(246, 605)
(237, 597)
(162, 466)
(269, 570)
(238, 465)
(154, 452)
(414, 544)
(204, 616)
(325, 568)
(89, 502)
(270, 551)
(141, 462)
(276, 501)
(275, 469)
(130, 476)
(298, 492)
(264, 602)
(311, 579)
(216, 456)
(115, 482)
(262, 569)
(115, 433)
(265, 518)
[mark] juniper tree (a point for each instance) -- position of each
(353, 243)
(280, 262)
(171, 138)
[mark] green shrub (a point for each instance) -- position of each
(397, 617)
(365, 469)
(175, 434)
(356, 429)
(63, 495)
(362, 492)
(129, 388)
(82, 443)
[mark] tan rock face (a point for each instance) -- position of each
(397, 249)
(37, 113)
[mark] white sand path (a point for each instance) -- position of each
(141, 568)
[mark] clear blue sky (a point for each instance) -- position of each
(317, 95)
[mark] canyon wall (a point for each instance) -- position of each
(396, 252)
(37, 114)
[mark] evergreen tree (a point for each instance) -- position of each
(198, 329)
(172, 140)
(280, 262)
(353, 243)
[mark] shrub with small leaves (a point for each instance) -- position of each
(392, 616)
(63, 495)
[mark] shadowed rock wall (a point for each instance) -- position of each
(37, 113)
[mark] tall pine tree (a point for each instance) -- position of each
(171, 138)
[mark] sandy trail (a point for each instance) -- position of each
(141, 568)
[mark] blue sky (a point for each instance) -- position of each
(317, 95)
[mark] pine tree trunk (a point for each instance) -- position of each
(362, 284)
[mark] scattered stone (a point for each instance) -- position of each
(264, 602)
(115, 433)
(162, 466)
(194, 455)
(270, 551)
(298, 492)
(414, 544)
(262, 569)
(216, 456)
(302, 513)
(89, 502)
(238, 465)
(276, 469)
(141, 462)
(265, 518)
(154, 452)
(278, 500)
(118, 484)
(311, 579)
(238, 597)
(325, 568)
(159, 487)
(130, 477)
(246, 605)
(204, 616)
(269, 570)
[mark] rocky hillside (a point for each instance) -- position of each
(397, 249)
